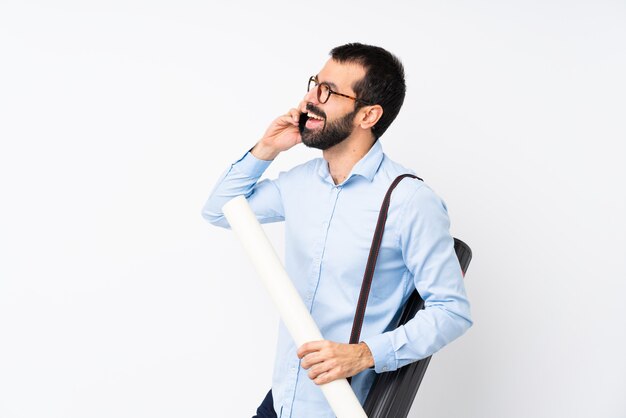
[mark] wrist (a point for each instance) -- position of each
(263, 152)
(367, 356)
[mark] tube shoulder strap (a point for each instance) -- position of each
(371, 261)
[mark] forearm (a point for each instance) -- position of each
(430, 330)
(264, 152)
(241, 178)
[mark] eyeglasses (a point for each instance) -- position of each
(324, 91)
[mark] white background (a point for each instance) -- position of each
(116, 118)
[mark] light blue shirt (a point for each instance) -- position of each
(328, 233)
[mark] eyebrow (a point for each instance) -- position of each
(330, 83)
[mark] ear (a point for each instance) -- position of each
(370, 115)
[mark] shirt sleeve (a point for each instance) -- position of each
(242, 178)
(428, 252)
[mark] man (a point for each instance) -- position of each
(330, 206)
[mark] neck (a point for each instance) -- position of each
(342, 157)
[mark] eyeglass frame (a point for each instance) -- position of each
(317, 83)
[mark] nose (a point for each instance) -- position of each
(311, 95)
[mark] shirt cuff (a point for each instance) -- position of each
(383, 353)
(250, 165)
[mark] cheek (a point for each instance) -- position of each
(337, 112)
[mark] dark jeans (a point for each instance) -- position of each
(266, 410)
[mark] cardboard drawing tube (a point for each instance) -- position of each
(283, 293)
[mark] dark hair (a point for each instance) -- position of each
(383, 83)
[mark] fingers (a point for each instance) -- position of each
(295, 116)
(315, 359)
(311, 347)
(285, 121)
(327, 361)
(311, 360)
(282, 134)
(328, 371)
(324, 378)
(291, 118)
(320, 369)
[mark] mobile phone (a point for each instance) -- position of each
(302, 121)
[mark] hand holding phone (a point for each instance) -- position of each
(282, 134)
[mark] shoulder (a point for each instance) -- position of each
(413, 195)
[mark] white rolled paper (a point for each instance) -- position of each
(292, 310)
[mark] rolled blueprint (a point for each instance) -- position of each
(292, 310)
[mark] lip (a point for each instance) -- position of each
(314, 123)
(311, 110)
(315, 116)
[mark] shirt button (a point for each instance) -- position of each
(385, 369)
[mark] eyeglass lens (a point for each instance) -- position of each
(323, 91)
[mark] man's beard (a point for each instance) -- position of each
(331, 133)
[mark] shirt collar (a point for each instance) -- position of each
(366, 167)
